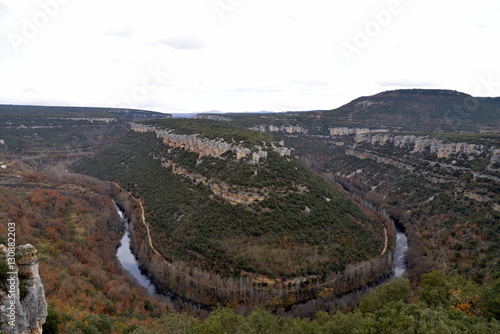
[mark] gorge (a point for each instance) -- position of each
(237, 226)
(130, 262)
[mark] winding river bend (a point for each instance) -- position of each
(129, 262)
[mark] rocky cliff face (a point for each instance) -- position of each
(416, 144)
(23, 308)
(218, 118)
(290, 129)
(421, 144)
(210, 147)
(232, 194)
(344, 131)
(495, 160)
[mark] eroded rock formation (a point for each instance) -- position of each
(416, 144)
(232, 194)
(211, 117)
(210, 147)
(23, 308)
(281, 128)
(345, 131)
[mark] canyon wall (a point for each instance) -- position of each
(345, 131)
(211, 147)
(211, 117)
(417, 144)
(232, 194)
(290, 129)
(421, 144)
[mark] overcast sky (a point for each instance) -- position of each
(242, 55)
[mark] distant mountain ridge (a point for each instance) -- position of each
(36, 129)
(67, 111)
(429, 110)
(421, 109)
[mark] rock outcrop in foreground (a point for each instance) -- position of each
(23, 308)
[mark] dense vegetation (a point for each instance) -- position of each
(440, 304)
(301, 227)
(449, 213)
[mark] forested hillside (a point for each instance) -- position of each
(224, 212)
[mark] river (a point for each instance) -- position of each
(127, 258)
(400, 254)
(129, 263)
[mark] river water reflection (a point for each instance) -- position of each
(128, 260)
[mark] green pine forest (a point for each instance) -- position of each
(302, 227)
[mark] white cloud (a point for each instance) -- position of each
(405, 83)
(126, 33)
(4, 9)
(263, 55)
(184, 42)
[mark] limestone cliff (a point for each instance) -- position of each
(210, 147)
(495, 160)
(344, 131)
(23, 308)
(290, 129)
(212, 117)
(417, 144)
(421, 144)
(232, 194)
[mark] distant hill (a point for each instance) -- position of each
(8, 110)
(40, 129)
(426, 110)
(421, 110)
